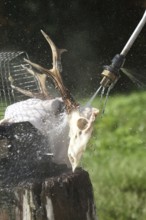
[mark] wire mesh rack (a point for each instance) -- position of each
(11, 65)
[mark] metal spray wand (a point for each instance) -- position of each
(111, 73)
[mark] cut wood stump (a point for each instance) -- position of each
(37, 189)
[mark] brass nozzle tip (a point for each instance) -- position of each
(108, 78)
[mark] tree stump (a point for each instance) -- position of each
(34, 188)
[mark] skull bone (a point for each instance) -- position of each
(81, 126)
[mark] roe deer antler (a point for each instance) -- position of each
(76, 122)
(54, 73)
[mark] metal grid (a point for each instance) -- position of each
(11, 65)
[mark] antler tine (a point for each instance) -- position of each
(23, 91)
(41, 79)
(54, 73)
(56, 53)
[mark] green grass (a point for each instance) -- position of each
(2, 109)
(116, 159)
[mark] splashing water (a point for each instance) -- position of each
(101, 96)
(106, 98)
(101, 90)
(93, 97)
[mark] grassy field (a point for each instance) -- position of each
(2, 109)
(116, 159)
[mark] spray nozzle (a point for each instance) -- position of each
(111, 73)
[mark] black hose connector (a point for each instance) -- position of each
(111, 73)
(117, 63)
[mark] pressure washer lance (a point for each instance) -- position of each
(111, 73)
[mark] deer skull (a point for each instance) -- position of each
(81, 126)
(79, 120)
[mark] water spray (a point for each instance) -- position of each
(111, 73)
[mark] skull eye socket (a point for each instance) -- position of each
(82, 123)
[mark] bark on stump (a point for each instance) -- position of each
(32, 189)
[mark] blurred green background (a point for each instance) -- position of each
(116, 158)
